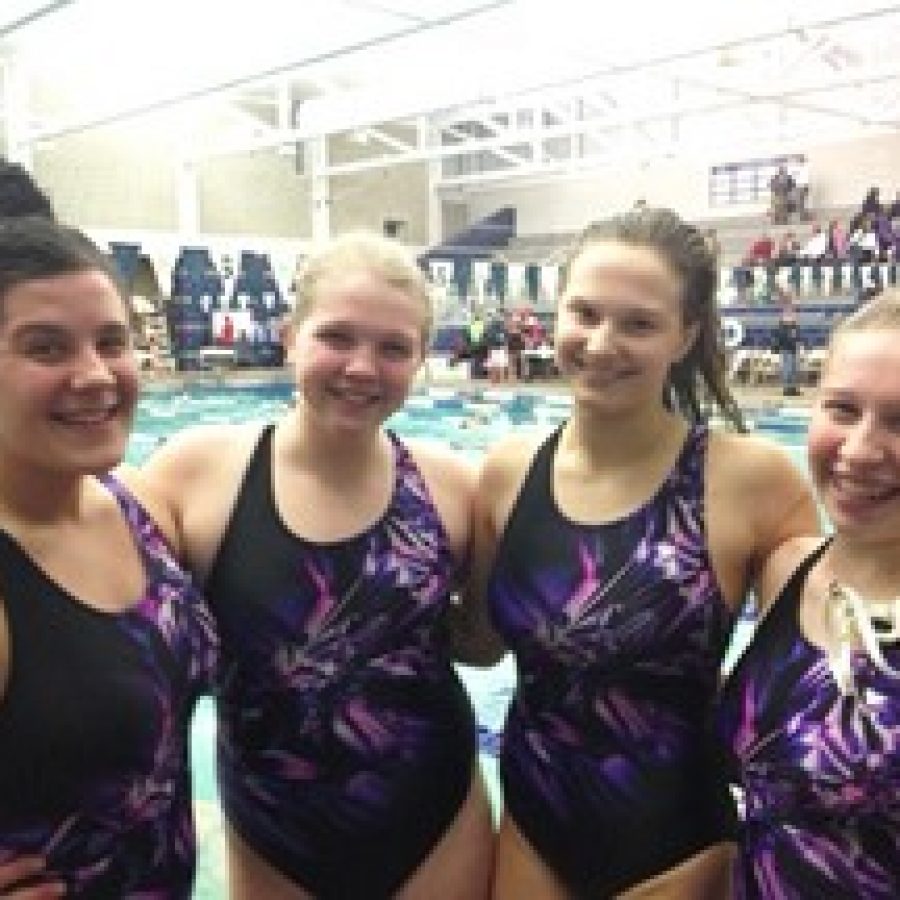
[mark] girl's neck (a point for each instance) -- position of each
(873, 570)
(37, 499)
(624, 439)
(331, 451)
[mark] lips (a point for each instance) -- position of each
(87, 416)
(858, 496)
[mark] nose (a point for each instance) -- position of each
(361, 360)
(601, 338)
(863, 442)
(91, 367)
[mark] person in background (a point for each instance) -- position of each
(837, 240)
(816, 247)
(871, 205)
(786, 344)
(104, 643)
(329, 550)
(781, 187)
(611, 558)
(761, 250)
(894, 209)
(811, 713)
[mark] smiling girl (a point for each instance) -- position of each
(613, 556)
(811, 714)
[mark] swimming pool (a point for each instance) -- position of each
(468, 421)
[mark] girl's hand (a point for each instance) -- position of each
(27, 868)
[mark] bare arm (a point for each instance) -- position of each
(26, 870)
(757, 500)
(475, 640)
(785, 511)
(454, 487)
(196, 476)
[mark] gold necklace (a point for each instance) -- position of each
(858, 622)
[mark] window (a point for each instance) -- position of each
(732, 184)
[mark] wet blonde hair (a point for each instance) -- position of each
(364, 252)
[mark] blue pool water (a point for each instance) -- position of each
(466, 421)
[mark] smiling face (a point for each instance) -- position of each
(358, 349)
(854, 435)
(68, 372)
(620, 327)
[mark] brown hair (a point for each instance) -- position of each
(36, 247)
(369, 252)
(683, 248)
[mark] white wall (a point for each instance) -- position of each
(840, 174)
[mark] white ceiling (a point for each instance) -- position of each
(499, 90)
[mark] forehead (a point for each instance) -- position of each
(366, 295)
(611, 269)
(69, 294)
(866, 361)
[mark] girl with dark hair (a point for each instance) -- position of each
(104, 643)
(613, 556)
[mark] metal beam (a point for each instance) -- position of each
(268, 75)
(39, 13)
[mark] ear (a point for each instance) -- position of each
(289, 339)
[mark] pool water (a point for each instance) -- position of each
(465, 421)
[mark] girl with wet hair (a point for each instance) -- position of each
(612, 558)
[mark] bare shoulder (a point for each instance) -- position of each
(442, 466)
(196, 448)
(758, 500)
(502, 472)
(195, 457)
(451, 483)
(750, 459)
(753, 470)
(152, 499)
(781, 564)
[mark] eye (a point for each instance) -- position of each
(46, 348)
(335, 337)
(114, 343)
(584, 312)
(840, 410)
(638, 324)
(397, 350)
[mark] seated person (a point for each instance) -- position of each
(816, 246)
(761, 250)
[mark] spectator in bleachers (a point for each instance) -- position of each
(788, 249)
(781, 185)
(872, 203)
(798, 201)
(816, 246)
(894, 209)
(761, 250)
(837, 240)
(862, 245)
(884, 228)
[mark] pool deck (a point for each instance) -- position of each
(751, 398)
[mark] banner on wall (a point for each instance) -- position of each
(550, 283)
